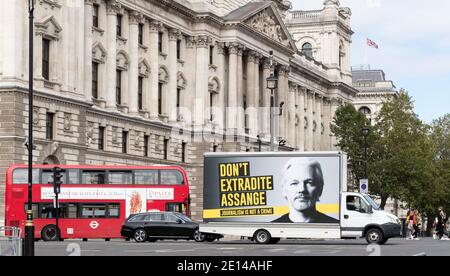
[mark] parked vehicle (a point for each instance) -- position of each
(153, 226)
(269, 196)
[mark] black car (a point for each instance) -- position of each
(155, 226)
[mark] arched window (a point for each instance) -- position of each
(365, 110)
(307, 50)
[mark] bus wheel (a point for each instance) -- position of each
(140, 235)
(50, 233)
(262, 236)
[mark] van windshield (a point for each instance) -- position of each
(371, 202)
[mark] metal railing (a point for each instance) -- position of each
(10, 241)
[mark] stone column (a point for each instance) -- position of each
(251, 104)
(171, 103)
(291, 115)
(283, 87)
(201, 80)
(310, 120)
(232, 87)
(133, 44)
(302, 107)
(257, 129)
(152, 101)
(222, 77)
(38, 55)
(240, 91)
(112, 8)
(88, 49)
(189, 115)
(266, 100)
(319, 136)
(326, 137)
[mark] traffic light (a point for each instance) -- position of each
(57, 179)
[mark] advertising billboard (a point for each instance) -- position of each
(272, 188)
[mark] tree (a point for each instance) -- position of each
(347, 126)
(401, 167)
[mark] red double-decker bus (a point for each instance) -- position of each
(94, 200)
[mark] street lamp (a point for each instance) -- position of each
(29, 227)
(365, 132)
(272, 84)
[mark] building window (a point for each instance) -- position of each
(124, 141)
(211, 102)
(307, 50)
(178, 49)
(101, 138)
(166, 148)
(140, 88)
(215, 147)
(95, 80)
(211, 55)
(183, 152)
(160, 88)
(141, 34)
(46, 59)
(95, 14)
(119, 25)
(118, 87)
(365, 110)
(49, 125)
(160, 42)
(146, 140)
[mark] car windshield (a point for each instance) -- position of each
(371, 202)
(183, 217)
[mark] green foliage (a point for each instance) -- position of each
(402, 156)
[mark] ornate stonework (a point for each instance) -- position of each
(135, 18)
(113, 7)
(203, 41)
(267, 23)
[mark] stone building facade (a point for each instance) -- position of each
(161, 82)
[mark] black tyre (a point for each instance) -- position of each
(262, 236)
(210, 238)
(198, 236)
(374, 236)
(140, 235)
(274, 240)
(384, 241)
(50, 233)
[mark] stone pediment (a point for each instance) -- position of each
(263, 17)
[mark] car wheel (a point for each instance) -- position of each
(262, 236)
(198, 236)
(384, 241)
(140, 235)
(50, 233)
(374, 236)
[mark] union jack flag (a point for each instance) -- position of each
(371, 43)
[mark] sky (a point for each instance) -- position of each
(414, 46)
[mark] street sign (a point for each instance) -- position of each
(364, 186)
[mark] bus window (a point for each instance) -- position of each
(93, 177)
(93, 211)
(114, 210)
(20, 176)
(146, 177)
(68, 210)
(47, 177)
(119, 177)
(171, 177)
(47, 211)
(73, 176)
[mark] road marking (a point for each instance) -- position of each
(275, 250)
(302, 251)
(228, 248)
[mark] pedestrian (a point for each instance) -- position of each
(416, 224)
(441, 224)
(410, 225)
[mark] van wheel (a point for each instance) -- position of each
(50, 233)
(140, 235)
(374, 236)
(262, 236)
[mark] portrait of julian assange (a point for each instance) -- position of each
(303, 184)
